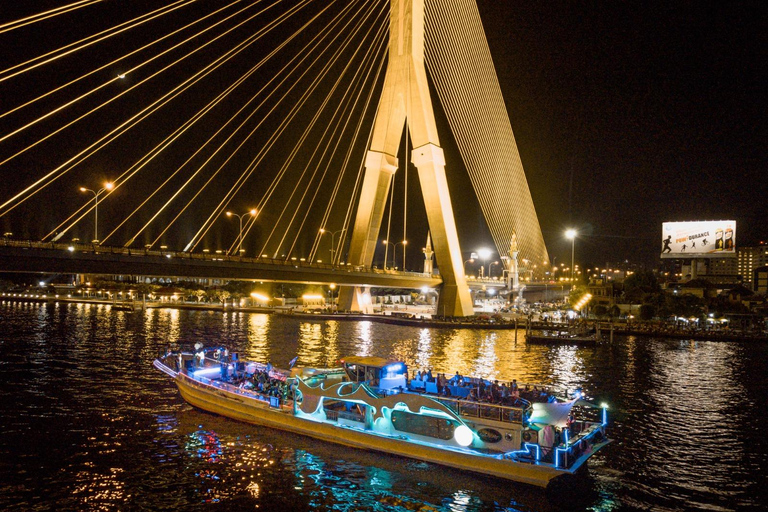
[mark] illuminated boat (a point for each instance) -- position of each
(368, 403)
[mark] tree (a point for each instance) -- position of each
(600, 311)
(199, 294)
(647, 312)
(643, 280)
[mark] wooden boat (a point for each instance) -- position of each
(368, 403)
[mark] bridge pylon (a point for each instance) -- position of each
(405, 96)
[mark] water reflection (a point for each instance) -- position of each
(93, 420)
(258, 337)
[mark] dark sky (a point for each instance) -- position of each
(629, 114)
(626, 115)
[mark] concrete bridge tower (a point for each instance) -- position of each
(405, 97)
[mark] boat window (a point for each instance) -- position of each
(356, 373)
(430, 426)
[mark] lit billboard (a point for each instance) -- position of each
(698, 239)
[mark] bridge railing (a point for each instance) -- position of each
(203, 256)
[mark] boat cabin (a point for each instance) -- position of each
(383, 374)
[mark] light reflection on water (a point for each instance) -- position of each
(95, 427)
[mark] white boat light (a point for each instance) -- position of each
(463, 435)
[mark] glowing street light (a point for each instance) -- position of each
(484, 255)
(107, 186)
(394, 245)
(571, 234)
(470, 260)
(333, 304)
(252, 213)
(333, 243)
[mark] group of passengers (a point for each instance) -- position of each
(480, 391)
(261, 382)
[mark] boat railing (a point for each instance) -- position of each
(495, 412)
(573, 448)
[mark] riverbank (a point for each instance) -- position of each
(423, 320)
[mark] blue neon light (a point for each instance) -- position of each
(527, 451)
(567, 448)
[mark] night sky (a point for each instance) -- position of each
(631, 114)
(626, 115)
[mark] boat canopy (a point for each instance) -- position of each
(375, 362)
(551, 413)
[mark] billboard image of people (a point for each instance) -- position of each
(698, 239)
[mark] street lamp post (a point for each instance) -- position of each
(107, 186)
(571, 234)
(394, 253)
(471, 260)
(333, 243)
(252, 213)
(484, 255)
(333, 305)
(387, 243)
(490, 266)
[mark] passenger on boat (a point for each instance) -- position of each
(457, 380)
(430, 378)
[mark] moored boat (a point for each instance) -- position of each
(369, 403)
(565, 336)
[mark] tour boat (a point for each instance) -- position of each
(370, 403)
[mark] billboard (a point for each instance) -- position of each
(698, 239)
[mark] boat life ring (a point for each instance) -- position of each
(530, 436)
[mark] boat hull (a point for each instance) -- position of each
(250, 410)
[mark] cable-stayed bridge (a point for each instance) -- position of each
(270, 130)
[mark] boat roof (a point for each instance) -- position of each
(378, 362)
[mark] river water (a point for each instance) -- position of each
(86, 423)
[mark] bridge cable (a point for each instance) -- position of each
(265, 147)
(348, 217)
(143, 114)
(273, 25)
(64, 9)
(338, 116)
(323, 73)
(59, 171)
(76, 46)
(112, 63)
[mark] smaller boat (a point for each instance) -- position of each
(565, 336)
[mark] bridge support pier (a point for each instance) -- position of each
(405, 97)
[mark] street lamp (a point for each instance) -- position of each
(484, 255)
(333, 287)
(333, 244)
(470, 260)
(394, 253)
(490, 266)
(571, 234)
(107, 186)
(387, 243)
(252, 213)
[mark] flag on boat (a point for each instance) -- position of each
(292, 362)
